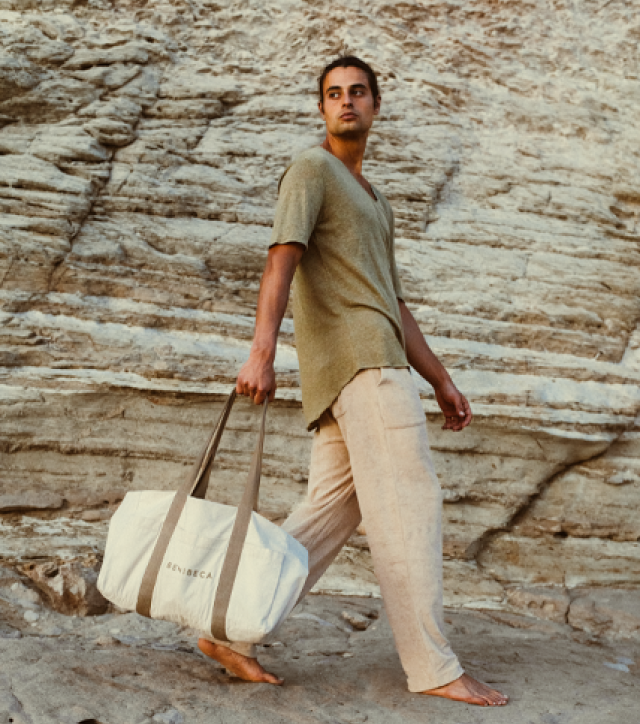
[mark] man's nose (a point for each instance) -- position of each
(346, 100)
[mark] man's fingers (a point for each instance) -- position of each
(464, 412)
(256, 381)
(261, 395)
(459, 421)
(463, 407)
(458, 412)
(461, 424)
(255, 392)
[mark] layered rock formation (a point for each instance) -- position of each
(141, 148)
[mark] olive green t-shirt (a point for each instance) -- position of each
(346, 287)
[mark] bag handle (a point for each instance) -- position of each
(196, 486)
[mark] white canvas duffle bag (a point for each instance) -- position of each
(228, 573)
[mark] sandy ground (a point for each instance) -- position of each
(122, 669)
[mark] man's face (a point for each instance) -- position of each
(349, 106)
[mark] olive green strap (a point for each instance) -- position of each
(248, 503)
(195, 485)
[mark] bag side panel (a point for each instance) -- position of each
(254, 591)
(273, 569)
(133, 531)
(295, 570)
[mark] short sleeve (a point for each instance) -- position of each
(300, 199)
(395, 277)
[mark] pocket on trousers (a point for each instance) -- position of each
(399, 400)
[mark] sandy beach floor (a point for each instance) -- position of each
(122, 669)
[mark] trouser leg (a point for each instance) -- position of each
(329, 514)
(381, 418)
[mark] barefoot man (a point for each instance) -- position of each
(355, 339)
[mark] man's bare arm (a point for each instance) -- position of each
(453, 404)
(256, 378)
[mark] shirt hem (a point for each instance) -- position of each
(315, 422)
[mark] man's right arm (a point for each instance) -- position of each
(257, 378)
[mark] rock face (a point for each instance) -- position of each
(141, 149)
(598, 612)
(69, 588)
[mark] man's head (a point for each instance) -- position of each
(349, 96)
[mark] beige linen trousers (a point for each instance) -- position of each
(371, 463)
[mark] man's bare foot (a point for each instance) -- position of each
(470, 691)
(241, 666)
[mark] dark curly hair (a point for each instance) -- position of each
(349, 61)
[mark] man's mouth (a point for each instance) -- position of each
(348, 117)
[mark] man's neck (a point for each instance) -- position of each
(349, 150)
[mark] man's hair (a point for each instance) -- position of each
(349, 61)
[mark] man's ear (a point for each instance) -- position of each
(321, 108)
(376, 105)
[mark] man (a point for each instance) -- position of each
(355, 339)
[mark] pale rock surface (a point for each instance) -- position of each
(600, 611)
(124, 669)
(141, 147)
(30, 500)
(16, 591)
(70, 588)
(548, 603)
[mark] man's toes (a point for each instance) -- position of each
(497, 699)
(489, 696)
(273, 679)
(478, 696)
(260, 675)
(268, 678)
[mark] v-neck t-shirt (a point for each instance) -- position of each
(346, 287)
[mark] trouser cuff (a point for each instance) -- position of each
(430, 681)
(239, 647)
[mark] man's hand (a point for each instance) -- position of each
(257, 379)
(455, 407)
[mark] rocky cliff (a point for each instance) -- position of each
(141, 148)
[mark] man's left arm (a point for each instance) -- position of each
(453, 403)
